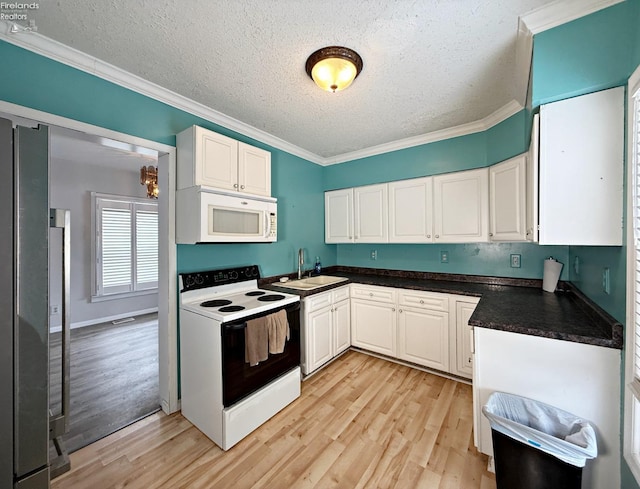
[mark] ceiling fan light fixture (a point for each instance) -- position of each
(334, 68)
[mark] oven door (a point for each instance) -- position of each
(238, 378)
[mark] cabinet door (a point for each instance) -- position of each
(507, 200)
(423, 337)
(461, 206)
(254, 170)
(216, 160)
(319, 338)
(338, 216)
(464, 359)
(581, 170)
(370, 209)
(373, 326)
(341, 327)
(411, 211)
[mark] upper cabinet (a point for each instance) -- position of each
(212, 160)
(507, 200)
(411, 211)
(581, 170)
(370, 214)
(338, 216)
(461, 206)
(356, 215)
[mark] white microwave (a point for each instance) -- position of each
(204, 215)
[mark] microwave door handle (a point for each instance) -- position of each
(267, 224)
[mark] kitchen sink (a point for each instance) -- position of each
(311, 282)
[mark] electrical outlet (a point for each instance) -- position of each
(515, 261)
(54, 310)
(444, 257)
(374, 254)
(606, 281)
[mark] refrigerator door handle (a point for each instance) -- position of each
(59, 424)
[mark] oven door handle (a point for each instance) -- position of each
(235, 326)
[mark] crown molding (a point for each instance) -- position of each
(37, 43)
(562, 11)
(488, 122)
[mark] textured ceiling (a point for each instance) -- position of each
(428, 64)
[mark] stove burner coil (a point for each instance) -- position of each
(231, 308)
(271, 298)
(255, 292)
(216, 303)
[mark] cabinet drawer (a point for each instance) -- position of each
(373, 293)
(340, 294)
(424, 300)
(317, 301)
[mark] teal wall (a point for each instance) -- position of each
(40, 83)
(469, 259)
(589, 54)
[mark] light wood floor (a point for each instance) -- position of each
(362, 422)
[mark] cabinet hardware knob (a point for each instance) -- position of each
(437, 235)
(235, 185)
(242, 186)
(400, 310)
(421, 301)
(370, 294)
(393, 309)
(428, 235)
(490, 234)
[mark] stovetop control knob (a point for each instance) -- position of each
(233, 275)
(190, 280)
(247, 272)
(199, 279)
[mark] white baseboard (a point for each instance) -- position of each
(91, 322)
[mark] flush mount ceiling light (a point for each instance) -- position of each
(149, 177)
(334, 68)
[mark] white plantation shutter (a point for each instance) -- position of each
(146, 249)
(126, 231)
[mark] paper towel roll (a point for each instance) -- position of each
(552, 269)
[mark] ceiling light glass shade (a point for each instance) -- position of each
(334, 68)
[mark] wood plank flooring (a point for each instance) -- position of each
(113, 377)
(362, 422)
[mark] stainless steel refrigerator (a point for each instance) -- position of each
(27, 427)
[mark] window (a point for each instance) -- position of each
(126, 245)
(632, 371)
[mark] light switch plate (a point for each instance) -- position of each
(515, 260)
(374, 254)
(444, 257)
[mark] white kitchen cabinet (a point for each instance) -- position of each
(464, 337)
(212, 160)
(461, 206)
(370, 214)
(423, 337)
(326, 328)
(373, 319)
(581, 170)
(581, 379)
(338, 216)
(507, 200)
(411, 211)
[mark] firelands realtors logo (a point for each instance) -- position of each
(14, 12)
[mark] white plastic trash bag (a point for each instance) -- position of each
(556, 432)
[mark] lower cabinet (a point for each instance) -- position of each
(373, 326)
(423, 337)
(326, 327)
(464, 337)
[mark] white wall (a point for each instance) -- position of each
(71, 184)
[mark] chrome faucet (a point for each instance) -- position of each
(300, 262)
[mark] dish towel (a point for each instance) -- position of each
(256, 341)
(278, 331)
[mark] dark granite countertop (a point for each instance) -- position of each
(514, 305)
